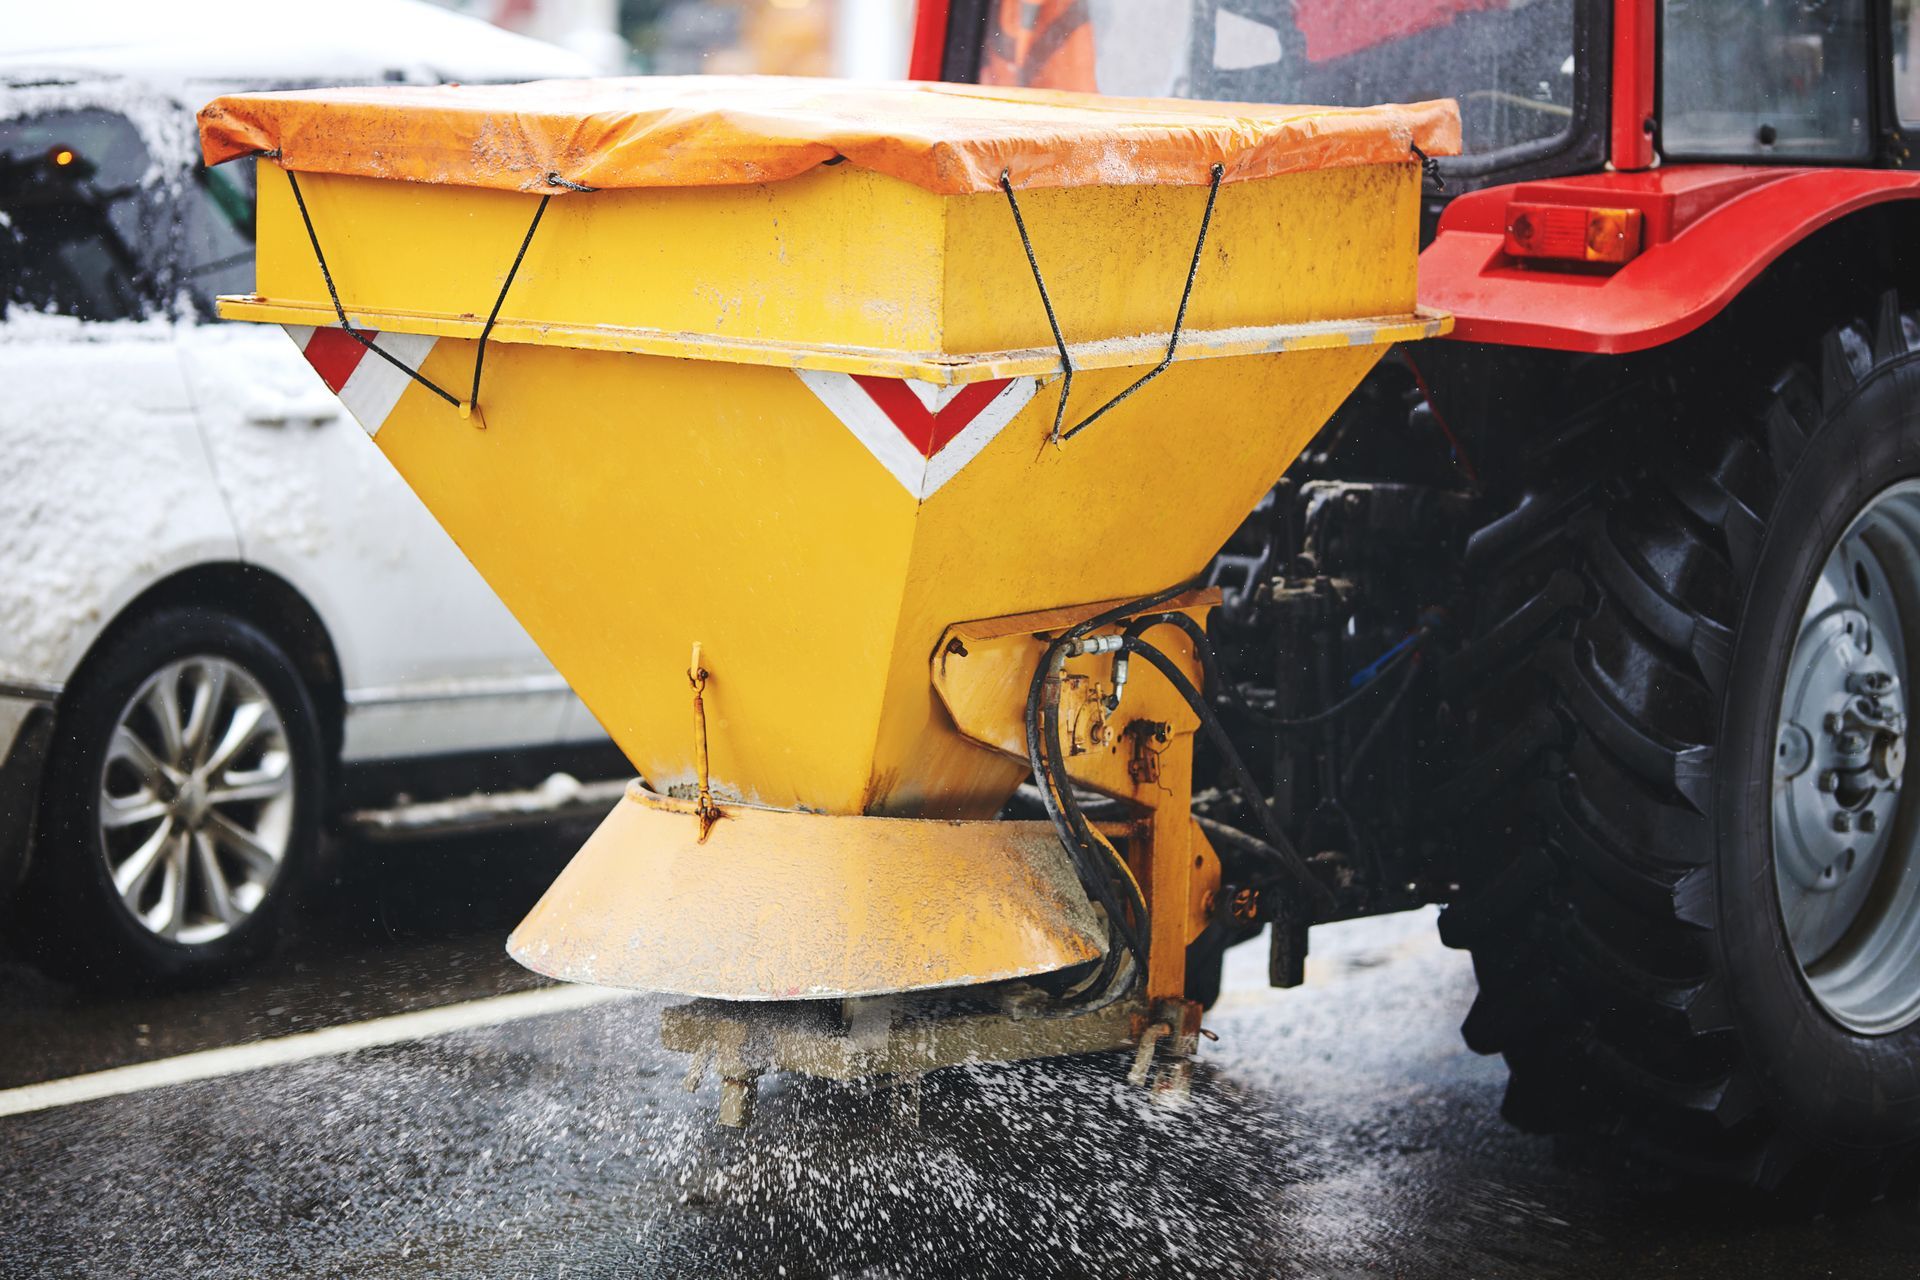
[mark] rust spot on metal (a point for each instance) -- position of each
(879, 787)
(705, 809)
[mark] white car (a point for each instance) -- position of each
(225, 625)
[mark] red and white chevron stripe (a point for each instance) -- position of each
(366, 384)
(921, 433)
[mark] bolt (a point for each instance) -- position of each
(1828, 780)
(1832, 722)
(1843, 821)
(1795, 750)
(1869, 821)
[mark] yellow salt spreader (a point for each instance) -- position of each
(853, 451)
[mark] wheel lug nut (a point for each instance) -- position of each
(1843, 822)
(1828, 781)
(1832, 722)
(1869, 822)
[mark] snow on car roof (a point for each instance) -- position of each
(185, 42)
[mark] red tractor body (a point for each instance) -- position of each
(1706, 229)
(1649, 521)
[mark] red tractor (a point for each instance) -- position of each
(1593, 621)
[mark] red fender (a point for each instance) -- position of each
(1709, 230)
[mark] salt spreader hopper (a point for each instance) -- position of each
(820, 435)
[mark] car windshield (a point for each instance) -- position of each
(1509, 63)
(74, 216)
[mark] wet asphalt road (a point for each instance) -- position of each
(1337, 1130)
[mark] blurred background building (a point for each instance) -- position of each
(863, 39)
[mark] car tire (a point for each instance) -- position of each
(181, 807)
(1629, 709)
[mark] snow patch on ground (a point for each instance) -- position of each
(560, 792)
(40, 326)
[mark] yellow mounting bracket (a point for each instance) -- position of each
(1133, 742)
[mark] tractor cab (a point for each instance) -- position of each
(1547, 88)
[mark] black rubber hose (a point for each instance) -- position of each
(1069, 823)
(1096, 856)
(1291, 863)
(1216, 677)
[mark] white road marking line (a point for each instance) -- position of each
(302, 1046)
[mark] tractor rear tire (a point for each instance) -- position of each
(1622, 710)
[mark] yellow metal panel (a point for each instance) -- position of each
(845, 262)
(778, 905)
(1170, 882)
(628, 506)
(843, 257)
(1305, 247)
(1204, 886)
(625, 507)
(1144, 349)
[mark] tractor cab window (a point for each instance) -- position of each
(1906, 61)
(1777, 79)
(1509, 63)
(74, 215)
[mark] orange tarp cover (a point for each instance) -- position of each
(683, 131)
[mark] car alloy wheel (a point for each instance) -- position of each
(196, 800)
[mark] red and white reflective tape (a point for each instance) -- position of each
(921, 433)
(366, 384)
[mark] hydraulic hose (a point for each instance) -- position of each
(1097, 864)
(1095, 861)
(1290, 862)
(1210, 664)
